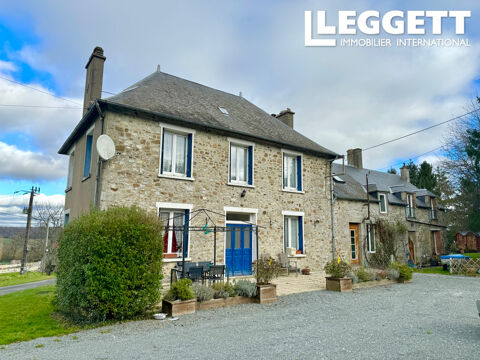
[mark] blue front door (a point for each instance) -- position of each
(238, 250)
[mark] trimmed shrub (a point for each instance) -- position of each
(363, 274)
(180, 290)
(246, 288)
(202, 292)
(230, 289)
(393, 274)
(405, 271)
(110, 265)
(266, 269)
(337, 268)
(222, 290)
(353, 276)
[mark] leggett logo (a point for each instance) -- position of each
(393, 22)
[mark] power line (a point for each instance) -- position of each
(39, 106)
(421, 130)
(43, 92)
(411, 158)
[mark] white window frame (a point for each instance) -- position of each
(243, 144)
(172, 207)
(435, 242)
(71, 165)
(176, 130)
(296, 214)
(293, 154)
(370, 228)
(410, 205)
(380, 195)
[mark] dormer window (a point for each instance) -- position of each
(410, 210)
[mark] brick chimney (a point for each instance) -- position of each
(93, 83)
(286, 116)
(354, 158)
(405, 173)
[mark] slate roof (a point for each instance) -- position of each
(354, 187)
(174, 97)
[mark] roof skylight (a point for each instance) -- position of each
(223, 110)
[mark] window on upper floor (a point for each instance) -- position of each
(292, 172)
(293, 233)
(88, 154)
(383, 203)
(410, 206)
(71, 163)
(241, 164)
(371, 248)
(176, 154)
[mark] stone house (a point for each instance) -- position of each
(365, 197)
(182, 146)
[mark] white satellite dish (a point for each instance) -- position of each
(105, 147)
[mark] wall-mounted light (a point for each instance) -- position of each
(244, 192)
(316, 223)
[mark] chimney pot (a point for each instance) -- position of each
(405, 173)
(94, 79)
(354, 158)
(286, 116)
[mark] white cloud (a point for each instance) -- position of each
(6, 66)
(343, 97)
(19, 164)
(11, 207)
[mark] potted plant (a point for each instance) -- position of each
(306, 271)
(180, 299)
(338, 270)
(265, 270)
(405, 272)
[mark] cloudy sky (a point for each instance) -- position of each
(343, 97)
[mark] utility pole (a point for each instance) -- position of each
(34, 191)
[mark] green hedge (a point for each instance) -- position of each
(110, 265)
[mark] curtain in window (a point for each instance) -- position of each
(167, 152)
(181, 147)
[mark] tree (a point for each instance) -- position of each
(462, 152)
(392, 170)
(413, 170)
(426, 179)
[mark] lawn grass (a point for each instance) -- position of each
(432, 270)
(473, 255)
(16, 279)
(27, 315)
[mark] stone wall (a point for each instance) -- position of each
(347, 211)
(131, 178)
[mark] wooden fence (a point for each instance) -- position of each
(465, 267)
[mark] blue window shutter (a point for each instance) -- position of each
(185, 234)
(161, 151)
(189, 155)
(299, 173)
(250, 165)
(300, 233)
(67, 218)
(88, 156)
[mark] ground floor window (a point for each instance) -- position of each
(371, 238)
(353, 244)
(174, 235)
(293, 233)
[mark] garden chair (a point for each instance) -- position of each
(216, 273)
(288, 264)
(195, 273)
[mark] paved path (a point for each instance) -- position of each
(433, 317)
(14, 288)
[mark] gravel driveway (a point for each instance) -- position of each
(431, 318)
